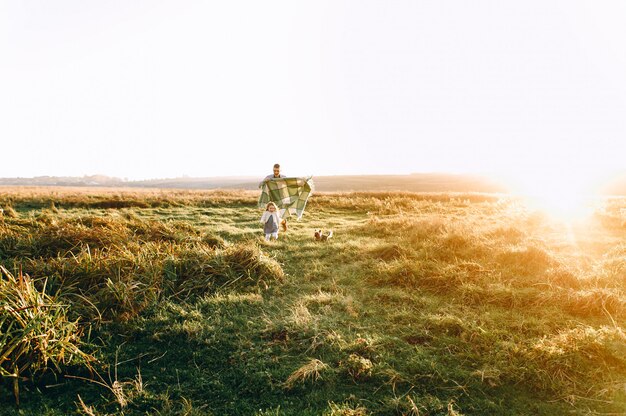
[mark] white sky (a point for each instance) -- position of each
(153, 89)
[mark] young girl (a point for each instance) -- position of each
(270, 220)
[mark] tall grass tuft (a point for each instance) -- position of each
(312, 370)
(35, 333)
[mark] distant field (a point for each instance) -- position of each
(412, 183)
(432, 303)
(417, 182)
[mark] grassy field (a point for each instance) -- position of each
(170, 302)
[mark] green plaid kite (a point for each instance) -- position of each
(289, 194)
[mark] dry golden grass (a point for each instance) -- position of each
(420, 304)
(35, 332)
(312, 371)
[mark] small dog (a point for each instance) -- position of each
(320, 236)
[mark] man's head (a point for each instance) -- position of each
(276, 170)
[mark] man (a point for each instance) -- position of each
(275, 175)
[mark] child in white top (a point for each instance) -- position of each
(270, 220)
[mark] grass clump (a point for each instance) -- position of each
(213, 241)
(357, 366)
(9, 212)
(238, 266)
(596, 302)
(312, 370)
(35, 333)
(595, 352)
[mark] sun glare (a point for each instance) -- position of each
(562, 203)
(563, 196)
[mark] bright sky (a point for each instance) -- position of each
(153, 89)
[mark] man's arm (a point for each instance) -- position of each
(268, 177)
(264, 180)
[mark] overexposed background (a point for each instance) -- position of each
(531, 90)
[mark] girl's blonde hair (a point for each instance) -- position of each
(270, 204)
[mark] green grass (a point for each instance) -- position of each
(438, 304)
